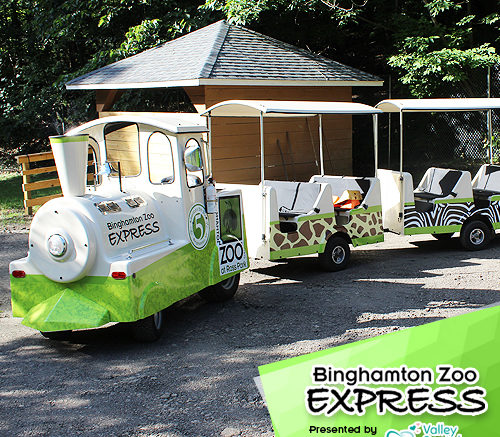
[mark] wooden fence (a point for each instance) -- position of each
(42, 164)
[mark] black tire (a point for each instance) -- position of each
(443, 237)
(222, 291)
(150, 328)
(475, 235)
(57, 335)
(336, 255)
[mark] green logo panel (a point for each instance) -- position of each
(468, 341)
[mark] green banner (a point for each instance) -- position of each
(436, 380)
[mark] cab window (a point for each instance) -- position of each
(193, 162)
(122, 145)
(160, 159)
(93, 163)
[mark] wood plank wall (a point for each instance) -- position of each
(292, 145)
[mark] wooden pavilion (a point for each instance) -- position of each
(224, 62)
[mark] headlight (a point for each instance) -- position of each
(57, 245)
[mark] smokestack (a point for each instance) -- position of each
(71, 155)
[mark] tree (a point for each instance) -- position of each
(45, 43)
(427, 43)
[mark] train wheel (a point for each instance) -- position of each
(150, 328)
(222, 291)
(336, 255)
(475, 235)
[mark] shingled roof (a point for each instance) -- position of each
(223, 54)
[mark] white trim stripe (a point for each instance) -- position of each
(221, 82)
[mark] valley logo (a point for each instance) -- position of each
(198, 226)
(426, 429)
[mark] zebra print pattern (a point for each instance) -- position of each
(447, 214)
(492, 212)
(443, 214)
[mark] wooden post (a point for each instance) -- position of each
(105, 99)
(27, 194)
(197, 96)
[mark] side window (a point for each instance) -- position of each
(193, 161)
(122, 145)
(93, 163)
(160, 159)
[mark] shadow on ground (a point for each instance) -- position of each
(197, 380)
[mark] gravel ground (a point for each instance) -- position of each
(197, 380)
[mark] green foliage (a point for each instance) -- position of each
(45, 43)
(436, 7)
(495, 146)
(428, 43)
(11, 200)
(424, 68)
(447, 53)
(238, 11)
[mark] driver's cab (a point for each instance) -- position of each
(163, 157)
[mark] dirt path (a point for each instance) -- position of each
(197, 380)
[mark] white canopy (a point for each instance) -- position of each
(175, 123)
(438, 105)
(276, 108)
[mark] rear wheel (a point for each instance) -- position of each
(443, 237)
(336, 255)
(150, 328)
(57, 335)
(222, 291)
(475, 235)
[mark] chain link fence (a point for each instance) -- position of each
(444, 139)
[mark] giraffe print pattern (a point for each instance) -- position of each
(316, 231)
(365, 225)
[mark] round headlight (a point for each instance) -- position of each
(57, 245)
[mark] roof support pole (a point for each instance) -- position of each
(210, 145)
(489, 119)
(262, 175)
(401, 179)
(389, 127)
(375, 141)
(490, 135)
(321, 159)
(401, 143)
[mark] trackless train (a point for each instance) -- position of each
(154, 228)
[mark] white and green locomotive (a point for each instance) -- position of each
(149, 232)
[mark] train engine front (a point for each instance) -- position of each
(131, 243)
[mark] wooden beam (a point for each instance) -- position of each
(105, 99)
(197, 96)
(40, 200)
(40, 185)
(27, 194)
(34, 157)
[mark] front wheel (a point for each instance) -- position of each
(150, 328)
(336, 255)
(475, 235)
(222, 291)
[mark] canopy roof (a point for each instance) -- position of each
(175, 125)
(276, 108)
(437, 105)
(223, 54)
